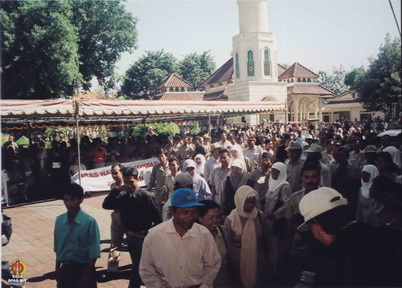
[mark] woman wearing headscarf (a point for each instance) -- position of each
(237, 153)
(200, 185)
(364, 201)
(248, 234)
(200, 164)
(238, 176)
(276, 199)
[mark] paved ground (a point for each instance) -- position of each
(32, 241)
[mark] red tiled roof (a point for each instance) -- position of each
(217, 95)
(174, 81)
(297, 71)
(281, 69)
(191, 96)
(224, 73)
(314, 89)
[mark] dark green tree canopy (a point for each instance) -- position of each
(380, 87)
(52, 48)
(151, 69)
(354, 76)
(196, 68)
(147, 72)
(105, 31)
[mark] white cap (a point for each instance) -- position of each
(319, 201)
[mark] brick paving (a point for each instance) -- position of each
(32, 242)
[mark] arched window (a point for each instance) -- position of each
(267, 63)
(237, 66)
(250, 63)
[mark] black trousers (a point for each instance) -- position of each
(134, 244)
(71, 273)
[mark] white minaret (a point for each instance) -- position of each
(255, 57)
(253, 16)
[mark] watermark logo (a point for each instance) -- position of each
(17, 269)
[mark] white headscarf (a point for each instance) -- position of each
(275, 184)
(239, 151)
(242, 179)
(396, 157)
(373, 171)
(248, 252)
(200, 168)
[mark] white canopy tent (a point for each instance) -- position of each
(17, 112)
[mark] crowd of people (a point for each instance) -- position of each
(250, 206)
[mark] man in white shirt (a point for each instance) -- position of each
(218, 176)
(213, 161)
(253, 152)
(179, 252)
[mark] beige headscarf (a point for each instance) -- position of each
(248, 253)
(242, 179)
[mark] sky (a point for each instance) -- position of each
(319, 34)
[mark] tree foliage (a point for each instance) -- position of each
(52, 48)
(196, 68)
(151, 69)
(334, 81)
(354, 76)
(105, 31)
(160, 128)
(196, 128)
(380, 87)
(147, 72)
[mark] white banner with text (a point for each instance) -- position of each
(100, 179)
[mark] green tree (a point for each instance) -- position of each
(147, 72)
(167, 128)
(52, 48)
(196, 128)
(105, 31)
(196, 68)
(380, 87)
(334, 81)
(40, 49)
(354, 76)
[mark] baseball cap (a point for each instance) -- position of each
(314, 148)
(319, 201)
(251, 138)
(189, 163)
(184, 198)
(183, 180)
(294, 146)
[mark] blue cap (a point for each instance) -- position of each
(184, 198)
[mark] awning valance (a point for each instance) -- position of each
(20, 112)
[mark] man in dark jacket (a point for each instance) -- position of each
(138, 213)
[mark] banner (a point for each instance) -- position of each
(100, 179)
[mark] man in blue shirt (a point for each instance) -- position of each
(76, 242)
